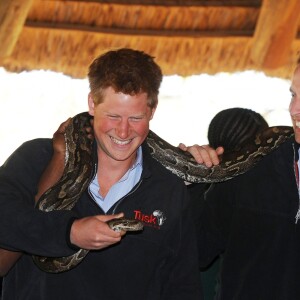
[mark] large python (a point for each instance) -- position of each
(78, 170)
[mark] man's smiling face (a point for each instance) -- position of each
(121, 123)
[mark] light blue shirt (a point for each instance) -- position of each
(121, 188)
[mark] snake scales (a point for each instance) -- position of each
(78, 169)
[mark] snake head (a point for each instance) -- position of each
(122, 224)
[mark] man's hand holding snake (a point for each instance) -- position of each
(93, 233)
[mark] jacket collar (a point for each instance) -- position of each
(146, 159)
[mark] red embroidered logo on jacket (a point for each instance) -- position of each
(156, 219)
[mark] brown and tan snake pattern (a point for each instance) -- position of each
(78, 170)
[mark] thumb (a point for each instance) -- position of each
(220, 150)
(105, 218)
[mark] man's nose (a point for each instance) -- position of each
(123, 129)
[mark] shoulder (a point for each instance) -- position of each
(277, 158)
(30, 157)
(36, 143)
(155, 168)
(267, 167)
(32, 150)
(25, 165)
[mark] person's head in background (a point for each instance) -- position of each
(232, 128)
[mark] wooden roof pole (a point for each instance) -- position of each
(275, 31)
(13, 14)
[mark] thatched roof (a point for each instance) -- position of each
(187, 37)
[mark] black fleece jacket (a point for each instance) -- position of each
(158, 263)
(251, 220)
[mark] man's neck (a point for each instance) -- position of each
(111, 171)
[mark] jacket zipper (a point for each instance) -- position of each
(125, 196)
(298, 212)
(119, 201)
(90, 194)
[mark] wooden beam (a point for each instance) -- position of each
(275, 32)
(13, 14)
(241, 3)
(140, 32)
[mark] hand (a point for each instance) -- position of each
(93, 233)
(204, 154)
(59, 144)
(55, 168)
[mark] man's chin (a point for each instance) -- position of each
(122, 156)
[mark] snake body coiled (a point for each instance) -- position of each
(183, 164)
(79, 165)
(67, 191)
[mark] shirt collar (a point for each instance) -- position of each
(139, 158)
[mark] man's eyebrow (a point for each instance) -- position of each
(138, 115)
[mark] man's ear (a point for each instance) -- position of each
(91, 104)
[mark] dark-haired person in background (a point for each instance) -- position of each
(253, 221)
(230, 128)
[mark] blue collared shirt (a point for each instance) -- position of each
(120, 188)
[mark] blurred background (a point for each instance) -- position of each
(33, 104)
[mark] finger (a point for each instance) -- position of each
(204, 155)
(122, 233)
(104, 234)
(117, 216)
(105, 218)
(198, 152)
(182, 147)
(105, 240)
(220, 150)
(212, 157)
